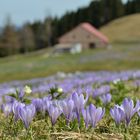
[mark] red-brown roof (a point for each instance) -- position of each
(89, 28)
(94, 31)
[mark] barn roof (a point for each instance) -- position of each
(87, 26)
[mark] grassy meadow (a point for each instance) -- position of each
(122, 56)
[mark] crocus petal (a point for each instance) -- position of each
(7, 109)
(86, 116)
(117, 114)
(96, 114)
(26, 114)
(54, 113)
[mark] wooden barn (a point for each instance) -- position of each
(86, 35)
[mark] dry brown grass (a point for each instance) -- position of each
(86, 136)
(125, 29)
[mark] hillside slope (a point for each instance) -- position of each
(125, 29)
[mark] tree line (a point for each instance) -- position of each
(38, 35)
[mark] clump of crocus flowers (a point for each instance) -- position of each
(20, 111)
(92, 115)
(106, 98)
(72, 107)
(125, 111)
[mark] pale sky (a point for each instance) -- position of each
(22, 11)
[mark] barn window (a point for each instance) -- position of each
(92, 45)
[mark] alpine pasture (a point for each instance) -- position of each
(91, 95)
(43, 63)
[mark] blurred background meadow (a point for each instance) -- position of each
(29, 32)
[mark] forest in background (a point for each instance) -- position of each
(38, 35)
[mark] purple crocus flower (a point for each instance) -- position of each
(79, 103)
(86, 116)
(117, 114)
(7, 109)
(9, 99)
(46, 103)
(96, 114)
(106, 98)
(38, 103)
(26, 114)
(21, 95)
(54, 113)
(67, 109)
(16, 106)
(101, 91)
(129, 109)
